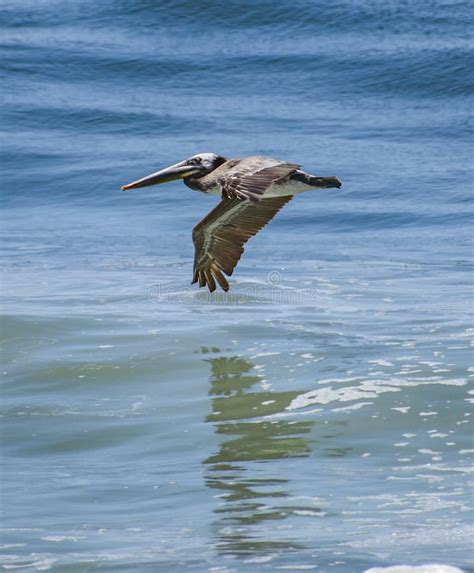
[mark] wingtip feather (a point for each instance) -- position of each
(211, 283)
(220, 278)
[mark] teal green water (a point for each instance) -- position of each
(316, 417)
(320, 424)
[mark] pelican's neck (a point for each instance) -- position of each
(194, 183)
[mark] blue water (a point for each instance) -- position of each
(316, 417)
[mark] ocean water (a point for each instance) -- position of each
(318, 416)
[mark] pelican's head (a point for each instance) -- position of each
(194, 167)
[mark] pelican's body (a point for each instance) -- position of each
(292, 183)
(252, 189)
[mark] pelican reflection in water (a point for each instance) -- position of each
(249, 495)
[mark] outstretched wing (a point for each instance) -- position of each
(252, 185)
(220, 237)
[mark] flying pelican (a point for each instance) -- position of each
(252, 189)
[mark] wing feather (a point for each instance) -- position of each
(252, 185)
(220, 237)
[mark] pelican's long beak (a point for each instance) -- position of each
(176, 171)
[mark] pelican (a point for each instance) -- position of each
(252, 191)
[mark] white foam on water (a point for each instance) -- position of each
(352, 407)
(468, 333)
(260, 559)
(365, 389)
(19, 563)
(262, 354)
(381, 362)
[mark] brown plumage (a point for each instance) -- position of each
(220, 237)
(252, 191)
(253, 185)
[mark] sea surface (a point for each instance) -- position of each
(318, 416)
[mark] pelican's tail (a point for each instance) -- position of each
(314, 181)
